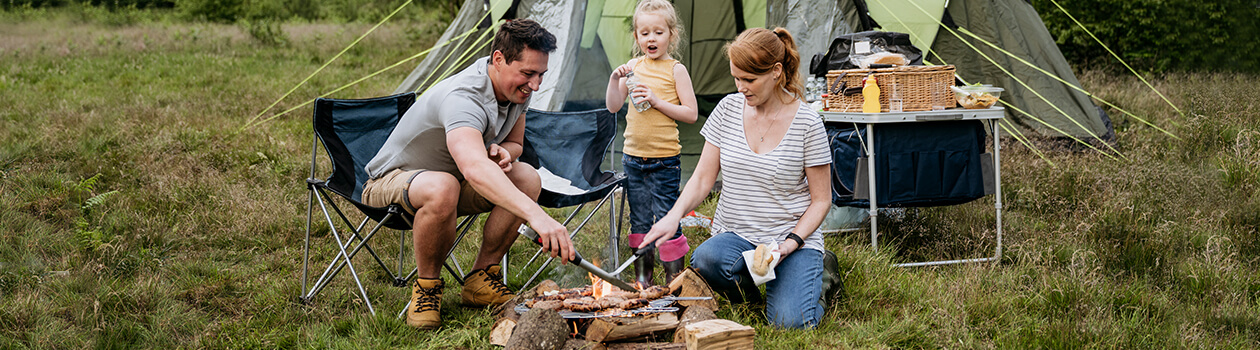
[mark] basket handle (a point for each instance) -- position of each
(839, 80)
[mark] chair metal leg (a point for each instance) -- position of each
(337, 237)
(306, 243)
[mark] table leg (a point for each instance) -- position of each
(870, 174)
(997, 188)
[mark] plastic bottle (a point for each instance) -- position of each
(870, 95)
(632, 81)
(811, 90)
(823, 99)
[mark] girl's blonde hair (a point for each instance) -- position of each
(661, 8)
(756, 50)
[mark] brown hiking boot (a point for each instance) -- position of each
(425, 311)
(485, 288)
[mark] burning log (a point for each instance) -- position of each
(615, 328)
(539, 329)
(719, 334)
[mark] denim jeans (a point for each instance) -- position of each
(792, 298)
(651, 189)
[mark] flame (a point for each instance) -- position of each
(597, 284)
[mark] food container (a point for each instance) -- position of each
(977, 96)
(921, 88)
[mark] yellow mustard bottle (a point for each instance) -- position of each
(870, 95)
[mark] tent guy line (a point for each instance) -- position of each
(330, 61)
(1025, 85)
(343, 87)
(1117, 57)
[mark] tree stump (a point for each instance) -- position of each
(539, 329)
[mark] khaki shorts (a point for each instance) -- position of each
(392, 188)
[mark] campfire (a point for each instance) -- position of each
(603, 316)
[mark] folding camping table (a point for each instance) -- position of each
(991, 115)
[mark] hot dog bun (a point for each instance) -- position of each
(761, 260)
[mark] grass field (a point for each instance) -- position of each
(133, 214)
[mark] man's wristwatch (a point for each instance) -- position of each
(799, 242)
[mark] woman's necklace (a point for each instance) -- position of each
(773, 118)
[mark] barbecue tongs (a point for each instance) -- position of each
(610, 277)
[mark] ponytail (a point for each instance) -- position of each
(791, 65)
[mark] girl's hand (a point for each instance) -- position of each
(643, 93)
(622, 71)
(662, 231)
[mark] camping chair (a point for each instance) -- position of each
(568, 149)
(352, 131)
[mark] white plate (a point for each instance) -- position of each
(769, 276)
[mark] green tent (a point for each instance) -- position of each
(594, 36)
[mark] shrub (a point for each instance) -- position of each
(1157, 35)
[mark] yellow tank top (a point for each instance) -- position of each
(651, 134)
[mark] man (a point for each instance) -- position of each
(454, 153)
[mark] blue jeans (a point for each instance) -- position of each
(651, 189)
(792, 298)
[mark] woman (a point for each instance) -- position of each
(773, 155)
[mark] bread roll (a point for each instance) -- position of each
(894, 59)
(761, 260)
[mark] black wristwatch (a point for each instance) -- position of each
(799, 242)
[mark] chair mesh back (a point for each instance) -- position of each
(570, 144)
(352, 131)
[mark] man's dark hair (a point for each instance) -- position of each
(515, 35)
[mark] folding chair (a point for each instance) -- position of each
(352, 132)
(568, 148)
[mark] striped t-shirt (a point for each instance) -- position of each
(764, 195)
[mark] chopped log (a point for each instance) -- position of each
(508, 309)
(647, 346)
(614, 328)
(719, 334)
(690, 284)
(502, 331)
(539, 329)
(579, 344)
(692, 315)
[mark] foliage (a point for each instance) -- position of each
(1157, 35)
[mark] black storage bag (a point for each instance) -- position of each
(837, 56)
(916, 165)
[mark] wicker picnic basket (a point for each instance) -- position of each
(920, 87)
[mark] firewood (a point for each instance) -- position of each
(647, 346)
(539, 329)
(502, 331)
(508, 309)
(690, 284)
(579, 344)
(719, 334)
(614, 328)
(692, 315)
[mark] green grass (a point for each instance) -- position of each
(132, 215)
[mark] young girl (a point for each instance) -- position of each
(652, 148)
